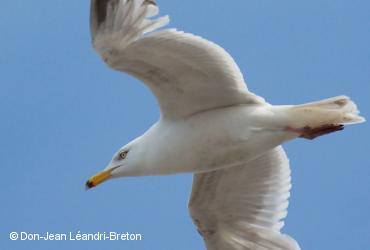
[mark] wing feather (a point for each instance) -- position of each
(243, 207)
(187, 73)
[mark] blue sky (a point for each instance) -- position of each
(64, 113)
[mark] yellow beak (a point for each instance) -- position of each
(99, 178)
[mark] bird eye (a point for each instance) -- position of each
(123, 154)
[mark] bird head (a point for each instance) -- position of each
(120, 165)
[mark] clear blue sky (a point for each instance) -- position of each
(64, 113)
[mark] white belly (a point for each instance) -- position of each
(212, 140)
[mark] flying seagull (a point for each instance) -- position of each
(210, 125)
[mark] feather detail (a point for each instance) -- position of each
(125, 22)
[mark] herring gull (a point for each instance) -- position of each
(210, 125)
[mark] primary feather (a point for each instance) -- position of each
(243, 207)
(187, 73)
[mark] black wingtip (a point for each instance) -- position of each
(99, 10)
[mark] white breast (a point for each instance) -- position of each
(208, 141)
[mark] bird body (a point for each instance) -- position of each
(210, 125)
(207, 141)
(225, 137)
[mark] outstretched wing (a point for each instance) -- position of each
(243, 207)
(187, 73)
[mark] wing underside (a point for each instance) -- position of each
(186, 73)
(243, 207)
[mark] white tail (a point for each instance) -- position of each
(338, 110)
(315, 119)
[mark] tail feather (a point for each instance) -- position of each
(340, 110)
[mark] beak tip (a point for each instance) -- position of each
(98, 178)
(89, 185)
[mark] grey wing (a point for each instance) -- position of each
(243, 207)
(186, 73)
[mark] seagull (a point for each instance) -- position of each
(210, 125)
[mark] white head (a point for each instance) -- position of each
(128, 161)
